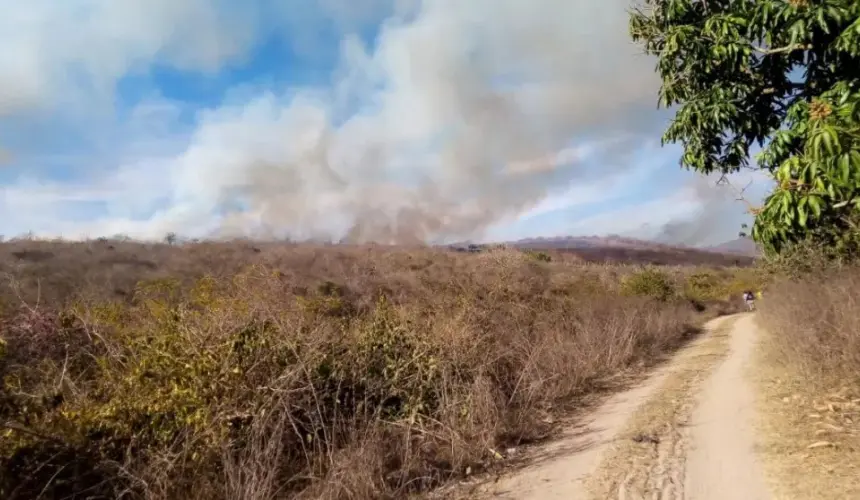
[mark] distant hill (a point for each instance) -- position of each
(739, 246)
(581, 242)
(615, 248)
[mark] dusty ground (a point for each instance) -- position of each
(685, 433)
(722, 462)
(810, 433)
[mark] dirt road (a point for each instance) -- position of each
(721, 463)
(685, 433)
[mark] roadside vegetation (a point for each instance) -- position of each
(782, 76)
(811, 377)
(256, 371)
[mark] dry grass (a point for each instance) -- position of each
(261, 371)
(810, 385)
(647, 450)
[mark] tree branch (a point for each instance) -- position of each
(780, 50)
(724, 181)
(20, 428)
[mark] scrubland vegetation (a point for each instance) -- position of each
(231, 370)
(810, 374)
(812, 305)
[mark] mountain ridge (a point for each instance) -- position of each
(738, 246)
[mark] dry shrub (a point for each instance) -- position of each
(816, 320)
(649, 282)
(318, 372)
(810, 377)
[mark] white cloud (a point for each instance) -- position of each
(67, 56)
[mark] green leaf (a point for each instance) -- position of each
(822, 23)
(844, 161)
(801, 216)
(855, 159)
(815, 205)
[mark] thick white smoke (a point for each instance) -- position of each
(419, 137)
(458, 115)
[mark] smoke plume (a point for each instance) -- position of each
(718, 213)
(457, 115)
(425, 135)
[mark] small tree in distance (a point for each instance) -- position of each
(782, 74)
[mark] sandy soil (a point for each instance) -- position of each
(685, 433)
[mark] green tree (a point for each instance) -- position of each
(782, 74)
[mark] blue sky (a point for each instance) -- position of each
(385, 119)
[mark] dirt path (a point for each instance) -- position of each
(721, 463)
(683, 434)
(559, 470)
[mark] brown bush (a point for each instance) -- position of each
(816, 320)
(263, 371)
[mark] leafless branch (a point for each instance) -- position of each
(724, 181)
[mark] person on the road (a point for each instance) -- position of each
(749, 300)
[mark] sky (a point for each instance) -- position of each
(346, 120)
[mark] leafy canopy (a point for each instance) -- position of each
(782, 74)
